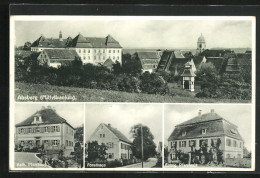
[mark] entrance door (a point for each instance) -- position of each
(38, 143)
(186, 85)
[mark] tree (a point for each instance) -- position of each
(131, 64)
(79, 134)
(78, 150)
(149, 147)
(117, 68)
(27, 46)
(209, 79)
(96, 152)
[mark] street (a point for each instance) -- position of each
(28, 160)
(147, 164)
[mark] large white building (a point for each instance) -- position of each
(90, 49)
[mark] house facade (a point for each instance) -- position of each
(118, 145)
(206, 129)
(90, 49)
(46, 128)
(57, 57)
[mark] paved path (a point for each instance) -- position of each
(27, 160)
(147, 164)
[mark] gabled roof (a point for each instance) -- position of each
(148, 55)
(118, 134)
(108, 63)
(214, 124)
(166, 60)
(49, 116)
(61, 53)
(93, 42)
(49, 42)
(216, 61)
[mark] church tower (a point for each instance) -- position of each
(201, 44)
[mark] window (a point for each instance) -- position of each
(29, 130)
(109, 51)
(103, 57)
(79, 51)
(56, 128)
(204, 131)
(110, 155)
(88, 57)
(113, 51)
(84, 51)
(123, 155)
(67, 143)
(95, 51)
(228, 156)
(182, 143)
(84, 57)
(240, 145)
(45, 129)
(55, 142)
(103, 135)
(238, 155)
(228, 142)
(192, 143)
(94, 57)
(173, 144)
(113, 57)
(37, 130)
(34, 130)
(110, 144)
(104, 51)
(88, 51)
(183, 133)
(118, 51)
(117, 57)
(100, 135)
(234, 143)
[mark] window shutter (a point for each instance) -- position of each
(58, 128)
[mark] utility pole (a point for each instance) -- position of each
(142, 145)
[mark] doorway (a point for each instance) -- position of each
(186, 85)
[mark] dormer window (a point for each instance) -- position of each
(233, 131)
(203, 131)
(183, 133)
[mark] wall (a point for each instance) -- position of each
(109, 137)
(231, 151)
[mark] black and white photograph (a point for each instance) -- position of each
(208, 137)
(48, 136)
(133, 59)
(123, 136)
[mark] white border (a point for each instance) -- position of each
(94, 18)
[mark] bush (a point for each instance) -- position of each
(115, 163)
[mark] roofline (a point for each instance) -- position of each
(125, 141)
(180, 125)
(206, 137)
(17, 125)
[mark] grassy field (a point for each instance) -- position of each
(39, 92)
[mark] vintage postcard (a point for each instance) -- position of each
(133, 59)
(132, 93)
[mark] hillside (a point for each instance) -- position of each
(45, 92)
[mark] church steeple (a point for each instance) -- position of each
(201, 43)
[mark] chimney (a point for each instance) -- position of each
(60, 36)
(212, 110)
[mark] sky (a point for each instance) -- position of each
(144, 33)
(123, 117)
(240, 115)
(73, 113)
